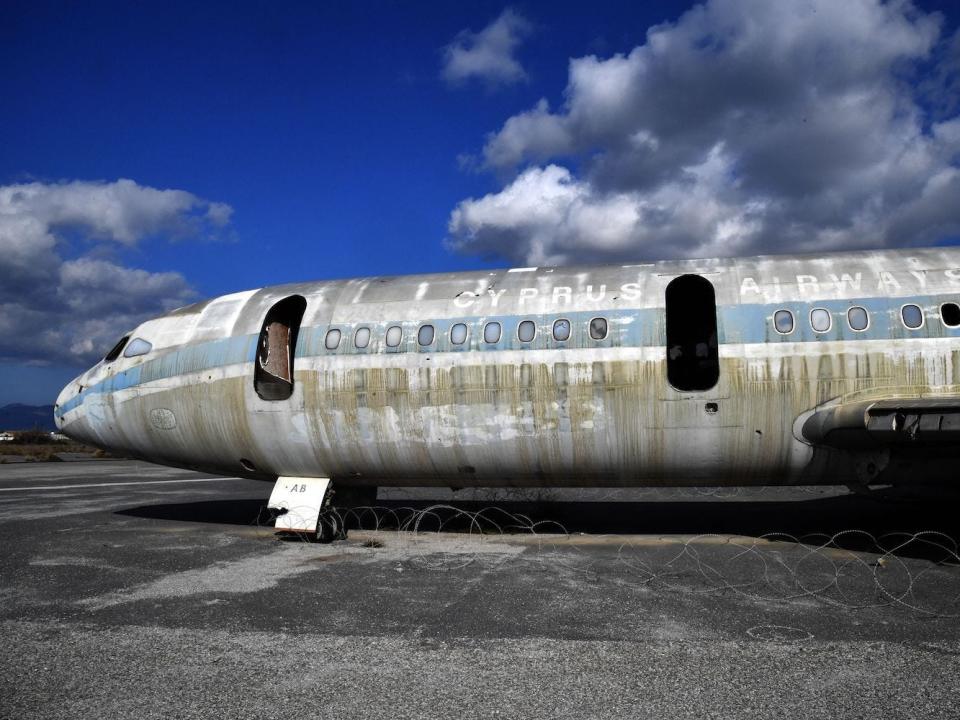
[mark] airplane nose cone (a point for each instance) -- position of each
(63, 404)
(57, 408)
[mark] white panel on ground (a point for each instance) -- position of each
(302, 498)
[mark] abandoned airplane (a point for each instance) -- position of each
(841, 368)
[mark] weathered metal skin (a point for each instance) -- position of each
(547, 412)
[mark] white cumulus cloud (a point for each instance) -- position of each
(488, 55)
(744, 126)
(71, 309)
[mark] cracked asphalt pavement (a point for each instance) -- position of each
(132, 590)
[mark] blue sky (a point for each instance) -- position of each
(324, 140)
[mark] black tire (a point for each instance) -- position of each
(330, 527)
(326, 530)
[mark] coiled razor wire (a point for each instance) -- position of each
(918, 571)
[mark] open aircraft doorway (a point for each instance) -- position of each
(693, 360)
(276, 348)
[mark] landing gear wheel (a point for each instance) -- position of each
(329, 528)
(325, 529)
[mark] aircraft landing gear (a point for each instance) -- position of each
(303, 506)
(330, 526)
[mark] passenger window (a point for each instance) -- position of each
(950, 314)
(333, 339)
(491, 332)
(458, 334)
(912, 316)
(561, 330)
(116, 350)
(820, 320)
(783, 322)
(394, 335)
(857, 318)
(598, 328)
(526, 331)
(425, 335)
(137, 347)
(361, 338)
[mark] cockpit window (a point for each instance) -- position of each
(116, 350)
(137, 347)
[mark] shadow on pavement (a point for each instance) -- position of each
(798, 518)
(245, 511)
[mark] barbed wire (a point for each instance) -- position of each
(853, 568)
(917, 571)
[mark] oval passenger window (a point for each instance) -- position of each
(526, 331)
(561, 330)
(912, 316)
(137, 346)
(394, 335)
(598, 328)
(820, 319)
(458, 334)
(362, 337)
(491, 332)
(950, 314)
(425, 335)
(783, 321)
(857, 318)
(333, 340)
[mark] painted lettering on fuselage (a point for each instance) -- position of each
(558, 295)
(885, 281)
(770, 288)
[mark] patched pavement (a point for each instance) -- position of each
(130, 590)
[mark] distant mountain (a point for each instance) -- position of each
(26, 417)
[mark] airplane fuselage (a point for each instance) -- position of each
(687, 372)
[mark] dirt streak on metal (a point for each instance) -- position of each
(539, 421)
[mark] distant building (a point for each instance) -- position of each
(6, 437)
(58, 437)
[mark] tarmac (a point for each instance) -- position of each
(132, 590)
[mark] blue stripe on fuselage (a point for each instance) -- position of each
(736, 324)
